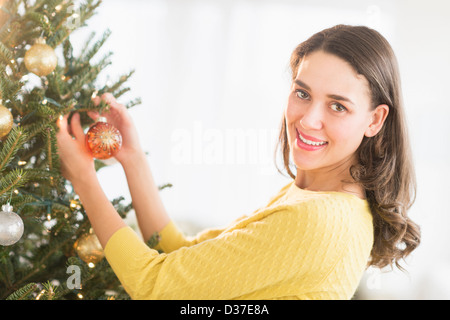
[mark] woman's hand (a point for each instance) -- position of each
(77, 164)
(119, 117)
(147, 204)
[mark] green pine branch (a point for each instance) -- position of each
(15, 140)
(5, 54)
(23, 293)
(12, 180)
(29, 164)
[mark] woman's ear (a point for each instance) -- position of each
(379, 115)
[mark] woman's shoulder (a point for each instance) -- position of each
(336, 216)
(294, 205)
(331, 206)
(280, 194)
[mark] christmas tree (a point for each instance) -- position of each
(47, 249)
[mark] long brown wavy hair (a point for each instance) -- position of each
(385, 169)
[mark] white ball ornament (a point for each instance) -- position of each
(11, 226)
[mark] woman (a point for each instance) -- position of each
(346, 207)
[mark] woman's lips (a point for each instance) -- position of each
(309, 143)
(309, 137)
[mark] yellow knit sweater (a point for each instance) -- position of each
(301, 245)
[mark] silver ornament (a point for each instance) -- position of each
(11, 226)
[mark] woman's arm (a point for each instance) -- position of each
(78, 167)
(150, 212)
(273, 254)
(103, 216)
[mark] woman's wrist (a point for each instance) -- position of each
(129, 159)
(84, 179)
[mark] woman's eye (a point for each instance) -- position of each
(302, 94)
(338, 107)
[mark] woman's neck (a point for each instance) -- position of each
(329, 179)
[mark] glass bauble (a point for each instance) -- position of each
(89, 248)
(103, 139)
(11, 226)
(41, 59)
(6, 121)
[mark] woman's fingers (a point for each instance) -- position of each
(96, 100)
(109, 99)
(93, 115)
(66, 130)
(76, 128)
(115, 112)
(63, 132)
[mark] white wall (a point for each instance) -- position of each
(213, 77)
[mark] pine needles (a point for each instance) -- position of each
(30, 178)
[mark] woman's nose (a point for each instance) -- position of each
(312, 119)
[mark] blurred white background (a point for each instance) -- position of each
(213, 77)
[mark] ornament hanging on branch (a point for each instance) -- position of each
(89, 248)
(11, 226)
(103, 139)
(6, 121)
(40, 58)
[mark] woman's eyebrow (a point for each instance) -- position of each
(340, 98)
(332, 96)
(302, 84)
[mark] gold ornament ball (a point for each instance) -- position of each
(89, 248)
(41, 58)
(6, 121)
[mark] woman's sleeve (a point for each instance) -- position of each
(172, 238)
(248, 259)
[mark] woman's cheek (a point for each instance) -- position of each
(293, 111)
(346, 136)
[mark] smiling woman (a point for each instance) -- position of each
(329, 112)
(343, 127)
(346, 95)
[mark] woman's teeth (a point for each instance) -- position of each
(311, 143)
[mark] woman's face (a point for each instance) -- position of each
(328, 113)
